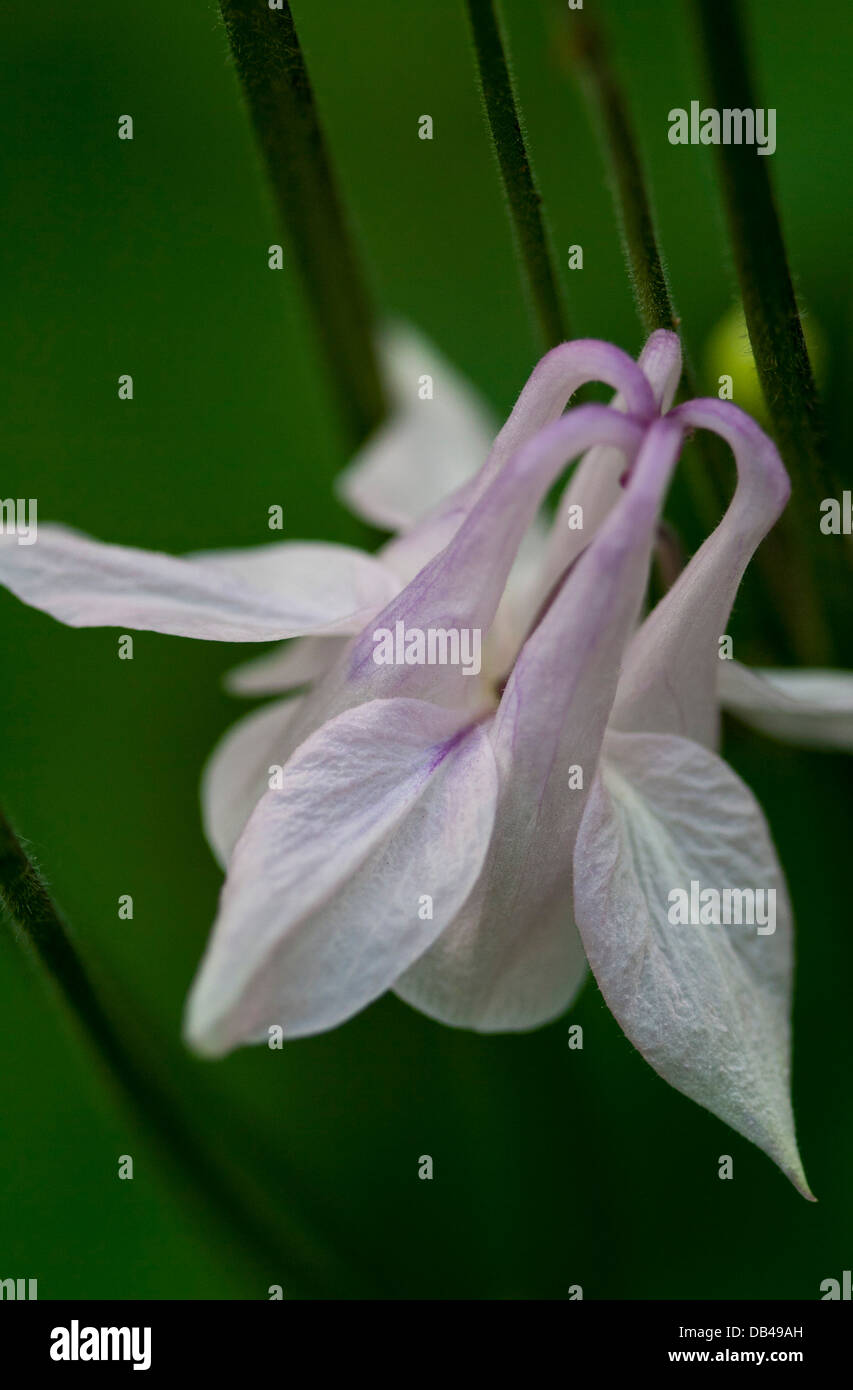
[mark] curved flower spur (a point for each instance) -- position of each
(468, 839)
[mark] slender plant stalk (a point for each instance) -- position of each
(633, 206)
(796, 624)
(770, 306)
(522, 195)
(635, 218)
(287, 126)
(775, 333)
(41, 929)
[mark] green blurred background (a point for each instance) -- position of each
(552, 1167)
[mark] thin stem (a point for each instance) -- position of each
(522, 195)
(633, 206)
(42, 930)
(800, 628)
(635, 219)
(770, 306)
(776, 336)
(288, 130)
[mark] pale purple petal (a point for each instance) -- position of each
(325, 902)
(258, 595)
(462, 586)
(661, 362)
(669, 684)
(594, 486)
(708, 1006)
(512, 959)
(556, 378)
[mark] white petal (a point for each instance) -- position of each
(256, 595)
(238, 773)
(427, 448)
(519, 605)
(504, 973)
(338, 586)
(286, 667)
(324, 902)
(813, 708)
(707, 1006)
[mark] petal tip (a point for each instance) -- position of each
(786, 1156)
(201, 1031)
(797, 1176)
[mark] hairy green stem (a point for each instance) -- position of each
(42, 931)
(287, 126)
(776, 337)
(634, 216)
(770, 306)
(796, 624)
(633, 206)
(522, 195)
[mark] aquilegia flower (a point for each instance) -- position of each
(472, 834)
